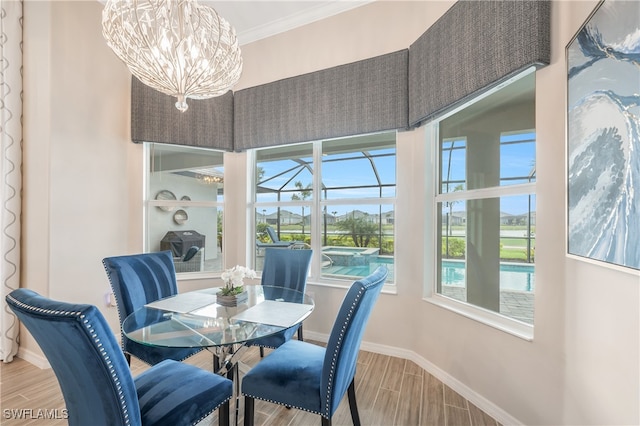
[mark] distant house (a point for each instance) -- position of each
(517, 219)
(454, 218)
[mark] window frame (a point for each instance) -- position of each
(316, 204)
(149, 202)
(496, 320)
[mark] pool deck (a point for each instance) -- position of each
(514, 304)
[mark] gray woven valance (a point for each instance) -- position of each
(361, 97)
(473, 46)
(208, 123)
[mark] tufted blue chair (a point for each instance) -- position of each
(96, 381)
(139, 279)
(288, 269)
(312, 378)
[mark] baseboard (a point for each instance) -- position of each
(501, 416)
(476, 399)
(35, 358)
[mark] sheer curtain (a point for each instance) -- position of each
(10, 168)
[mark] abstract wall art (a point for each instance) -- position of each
(603, 136)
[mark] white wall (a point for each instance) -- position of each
(200, 219)
(83, 201)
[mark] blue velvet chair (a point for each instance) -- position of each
(96, 381)
(139, 279)
(287, 269)
(313, 378)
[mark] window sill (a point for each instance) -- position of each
(200, 275)
(492, 319)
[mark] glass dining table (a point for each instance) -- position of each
(195, 319)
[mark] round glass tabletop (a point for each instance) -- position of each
(195, 319)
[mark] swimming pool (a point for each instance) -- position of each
(359, 271)
(512, 276)
(351, 256)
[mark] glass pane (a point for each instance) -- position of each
(359, 167)
(190, 174)
(284, 174)
(286, 228)
(490, 143)
(518, 158)
(181, 228)
(453, 166)
(487, 253)
(356, 240)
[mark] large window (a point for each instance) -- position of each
(184, 193)
(335, 196)
(485, 203)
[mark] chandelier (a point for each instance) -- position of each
(177, 47)
(209, 179)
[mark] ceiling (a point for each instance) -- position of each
(258, 19)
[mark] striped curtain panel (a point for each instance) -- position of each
(10, 167)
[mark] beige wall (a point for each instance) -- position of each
(83, 192)
(82, 175)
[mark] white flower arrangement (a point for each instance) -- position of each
(234, 279)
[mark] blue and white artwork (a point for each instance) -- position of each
(603, 62)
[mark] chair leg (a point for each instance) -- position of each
(325, 422)
(351, 393)
(261, 352)
(127, 356)
(300, 333)
(223, 414)
(216, 363)
(248, 411)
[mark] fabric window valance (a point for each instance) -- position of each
(473, 46)
(362, 97)
(208, 123)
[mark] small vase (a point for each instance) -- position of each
(232, 300)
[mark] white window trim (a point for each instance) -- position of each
(493, 319)
(315, 204)
(149, 203)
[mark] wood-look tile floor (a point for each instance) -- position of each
(389, 391)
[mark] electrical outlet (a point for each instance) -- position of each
(110, 299)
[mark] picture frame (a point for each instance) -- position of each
(603, 136)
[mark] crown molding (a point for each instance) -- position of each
(304, 17)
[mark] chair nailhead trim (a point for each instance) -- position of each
(113, 291)
(43, 311)
(122, 317)
(89, 327)
(288, 405)
(210, 411)
(112, 372)
(335, 353)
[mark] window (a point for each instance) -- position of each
(184, 199)
(335, 196)
(485, 203)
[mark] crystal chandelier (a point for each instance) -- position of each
(177, 47)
